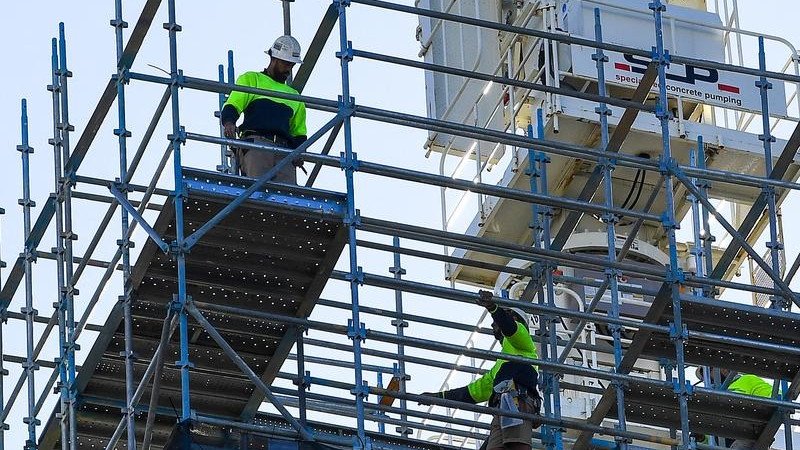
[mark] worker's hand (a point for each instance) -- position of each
(230, 130)
(485, 300)
(428, 394)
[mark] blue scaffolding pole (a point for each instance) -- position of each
(29, 257)
(61, 289)
(675, 276)
(610, 219)
(349, 164)
(178, 248)
(69, 236)
(3, 321)
(124, 242)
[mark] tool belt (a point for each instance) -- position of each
(272, 137)
(509, 396)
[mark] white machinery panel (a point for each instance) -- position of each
(684, 34)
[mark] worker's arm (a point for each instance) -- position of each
(297, 127)
(515, 332)
(501, 317)
(236, 103)
(476, 392)
(458, 395)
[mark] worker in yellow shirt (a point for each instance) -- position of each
(508, 385)
(268, 120)
(740, 383)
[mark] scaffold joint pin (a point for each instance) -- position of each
(353, 333)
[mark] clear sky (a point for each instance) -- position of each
(209, 30)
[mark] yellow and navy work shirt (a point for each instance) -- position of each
(748, 384)
(520, 344)
(264, 114)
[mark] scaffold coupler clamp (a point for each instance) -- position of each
(179, 137)
(341, 2)
(361, 390)
(687, 389)
(678, 334)
(397, 373)
(619, 383)
(175, 306)
(675, 276)
(354, 219)
(175, 249)
(349, 161)
(354, 332)
(304, 382)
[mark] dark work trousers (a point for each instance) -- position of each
(254, 163)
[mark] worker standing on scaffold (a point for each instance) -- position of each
(509, 385)
(268, 120)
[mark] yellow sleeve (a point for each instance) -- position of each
(240, 100)
(481, 389)
(298, 124)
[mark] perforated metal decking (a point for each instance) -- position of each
(274, 253)
(728, 417)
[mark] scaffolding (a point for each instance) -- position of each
(234, 267)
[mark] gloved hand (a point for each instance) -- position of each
(485, 300)
(230, 130)
(428, 394)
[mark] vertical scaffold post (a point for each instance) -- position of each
(178, 247)
(302, 377)
(58, 250)
(612, 275)
(232, 161)
(536, 278)
(3, 370)
(68, 181)
(349, 163)
(774, 244)
(226, 154)
(224, 165)
(400, 324)
(698, 251)
(546, 220)
(124, 243)
(29, 257)
(705, 234)
(674, 275)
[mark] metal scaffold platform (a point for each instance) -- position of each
(581, 179)
(273, 254)
(752, 331)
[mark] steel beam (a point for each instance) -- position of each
(315, 48)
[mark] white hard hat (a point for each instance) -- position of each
(285, 48)
(525, 316)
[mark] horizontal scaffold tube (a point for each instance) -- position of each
(470, 297)
(486, 354)
(444, 181)
(503, 80)
(526, 273)
(469, 131)
(501, 248)
(442, 323)
(439, 180)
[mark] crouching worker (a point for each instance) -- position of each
(508, 385)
